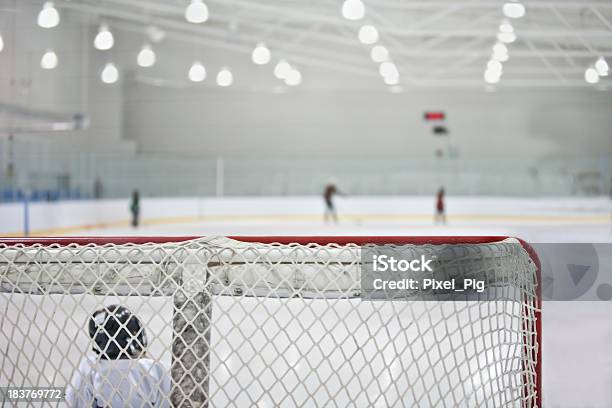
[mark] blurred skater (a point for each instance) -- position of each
(440, 213)
(328, 196)
(98, 189)
(135, 208)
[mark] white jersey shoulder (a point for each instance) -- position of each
(119, 383)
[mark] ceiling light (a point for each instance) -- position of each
(48, 16)
(391, 79)
(294, 77)
(492, 77)
(225, 77)
(196, 12)
(379, 53)
(388, 69)
(506, 37)
(197, 72)
(261, 54)
(104, 39)
(500, 48)
(282, 69)
(368, 34)
(506, 27)
(500, 57)
(49, 60)
(494, 66)
(601, 65)
(110, 74)
(514, 10)
(146, 57)
(591, 75)
(353, 9)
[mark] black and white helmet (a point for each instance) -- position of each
(117, 333)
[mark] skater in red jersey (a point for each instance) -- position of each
(328, 196)
(440, 212)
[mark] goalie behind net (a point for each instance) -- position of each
(222, 322)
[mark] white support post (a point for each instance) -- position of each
(219, 180)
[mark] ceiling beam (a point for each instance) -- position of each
(299, 14)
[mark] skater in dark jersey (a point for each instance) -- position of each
(328, 196)
(135, 208)
(440, 213)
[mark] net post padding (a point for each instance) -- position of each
(190, 349)
(191, 326)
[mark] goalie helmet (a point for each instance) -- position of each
(117, 333)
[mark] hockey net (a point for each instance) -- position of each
(271, 322)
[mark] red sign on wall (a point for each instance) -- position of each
(434, 115)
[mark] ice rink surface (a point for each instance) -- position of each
(534, 220)
(577, 359)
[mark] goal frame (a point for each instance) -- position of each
(321, 240)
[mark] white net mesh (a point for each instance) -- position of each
(230, 323)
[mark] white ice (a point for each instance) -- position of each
(577, 336)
